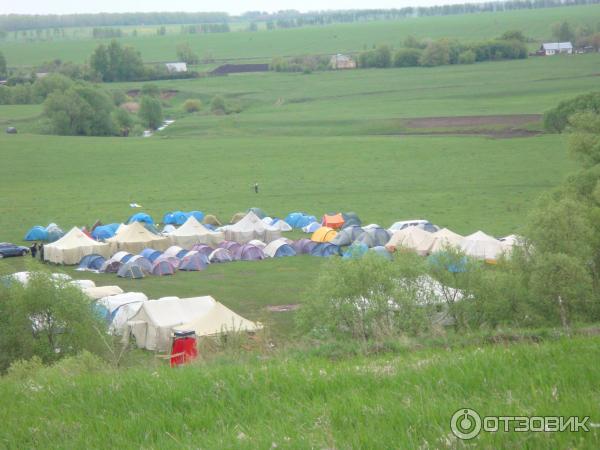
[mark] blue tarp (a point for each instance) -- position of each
(36, 233)
(299, 219)
(105, 231)
(141, 217)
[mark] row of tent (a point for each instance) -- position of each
(153, 322)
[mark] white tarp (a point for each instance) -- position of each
(156, 320)
(102, 291)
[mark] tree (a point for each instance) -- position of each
(186, 54)
(584, 142)
(513, 35)
(80, 111)
(3, 69)
(48, 319)
(151, 90)
(563, 32)
(51, 83)
(217, 105)
(122, 120)
(467, 57)
(436, 53)
(117, 63)
(151, 112)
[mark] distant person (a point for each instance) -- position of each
(256, 188)
(33, 249)
(41, 249)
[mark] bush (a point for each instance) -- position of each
(467, 57)
(150, 112)
(380, 57)
(192, 105)
(150, 89)
(407, 57)
(217, 105)
(436, 54)
(557, 119)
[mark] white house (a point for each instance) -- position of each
(176, 67)
(554, 48)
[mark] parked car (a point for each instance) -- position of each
(7, 249)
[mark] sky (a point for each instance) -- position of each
(229, 6)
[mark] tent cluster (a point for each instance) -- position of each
(152, 323)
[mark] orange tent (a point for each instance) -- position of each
(323, 234)
(335, 221)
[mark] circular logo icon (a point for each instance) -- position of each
(465, 424)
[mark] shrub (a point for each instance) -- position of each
(150, 89)
(150, 112)
(467, 57)
(557, 118)
(436, 54)
(217, 105)
(192, 105)
(407, 57)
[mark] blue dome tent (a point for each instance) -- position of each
(325, 249)
(36, 233)
(141, 217)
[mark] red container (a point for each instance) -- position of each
(184, 348)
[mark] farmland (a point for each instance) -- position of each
(311, 40)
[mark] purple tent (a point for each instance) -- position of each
(196, 261)
(248, 252)
(230, 245)
(162, 267)
(303, 246)
(111, 266)
(204, 249)
(174, 261)
(220, 255)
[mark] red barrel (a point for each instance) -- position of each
(184, 348)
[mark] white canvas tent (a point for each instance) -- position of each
(156, 320)
(172, 251)
(445, 238)
(482, 246)
(102, 291)
(412, 238)
(250, 227)
(83, 284)
(271, 249)
(193, 232)
(122, 307)
(133, 238)
(73, 246)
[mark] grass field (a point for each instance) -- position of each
(389, 401)
(313, 40)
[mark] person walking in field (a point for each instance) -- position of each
(255, 187)
(33, 249)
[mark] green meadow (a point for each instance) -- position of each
(312, 40)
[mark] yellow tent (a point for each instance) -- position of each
(72, 247)
(323, 234)
(133, 238)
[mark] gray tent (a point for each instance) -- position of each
(348, 235)
(374, 237)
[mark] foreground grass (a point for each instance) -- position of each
(388, 401)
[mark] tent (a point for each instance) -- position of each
(445, 238)
(303, 246)
(425, 225)
(323, 234)
(220, 255)
(198, 215)
(120, 308)
(258, 243)
(299, 219)
(173, 260)
(193, 232)
(356, 250)
(374, 237)
(508, 242)
(110, 266)
(54, 232)
(247, 252)
(250, 227)
(163, 267)
(237, 217)
(230, 245)
(277, 224)
(102, 232)
(140, 217)
(351, 219)
(72, 247)
(449, 262)
(411, 238)
(172, 251)
(91, 262)
(150, 254)
(278, 249)
(102, 291)
(136, 267)
(168, 229)
(122, 257)
(83, 284)
(482, 246)
(175, 218)
(37, 233)
(311, 227)
(134, 238)
(325, 249)
(347, 235)
(209, 219)
(156, 320)
(259, 212)
(193, 261)
(334, 221)
(203, 249)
